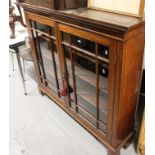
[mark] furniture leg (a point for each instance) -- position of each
(12, 27)
(41, 92)
(12, 61)
(24, 68)
(20, 17)
(113, 153)
(20, 70)
(127, 144)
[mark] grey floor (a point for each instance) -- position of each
(39, 127)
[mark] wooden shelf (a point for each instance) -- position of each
(87, 99)
(82, 73)
(84, 79)
(88, 76)
(85, 82)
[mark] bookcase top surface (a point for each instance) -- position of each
(100, 19)
(122, 21)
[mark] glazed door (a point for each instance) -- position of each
(86, 73)
(44, 40)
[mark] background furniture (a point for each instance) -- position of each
(139, 127)
(141, 141)
(21, 49)
(12, 52)
(25, 53)
(89, 62)
(14, 18)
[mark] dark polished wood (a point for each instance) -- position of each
(57, 4)
(124, 37)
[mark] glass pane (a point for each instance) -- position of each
(103, 93)
(90, 95)
(103, 51)
(66, 37)
(45, 28)
(79, 42)
(48, 64)
(86, 86)
(85, 81)
(47, 56)
(32, 23)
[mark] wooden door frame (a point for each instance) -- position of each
(112, 65)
